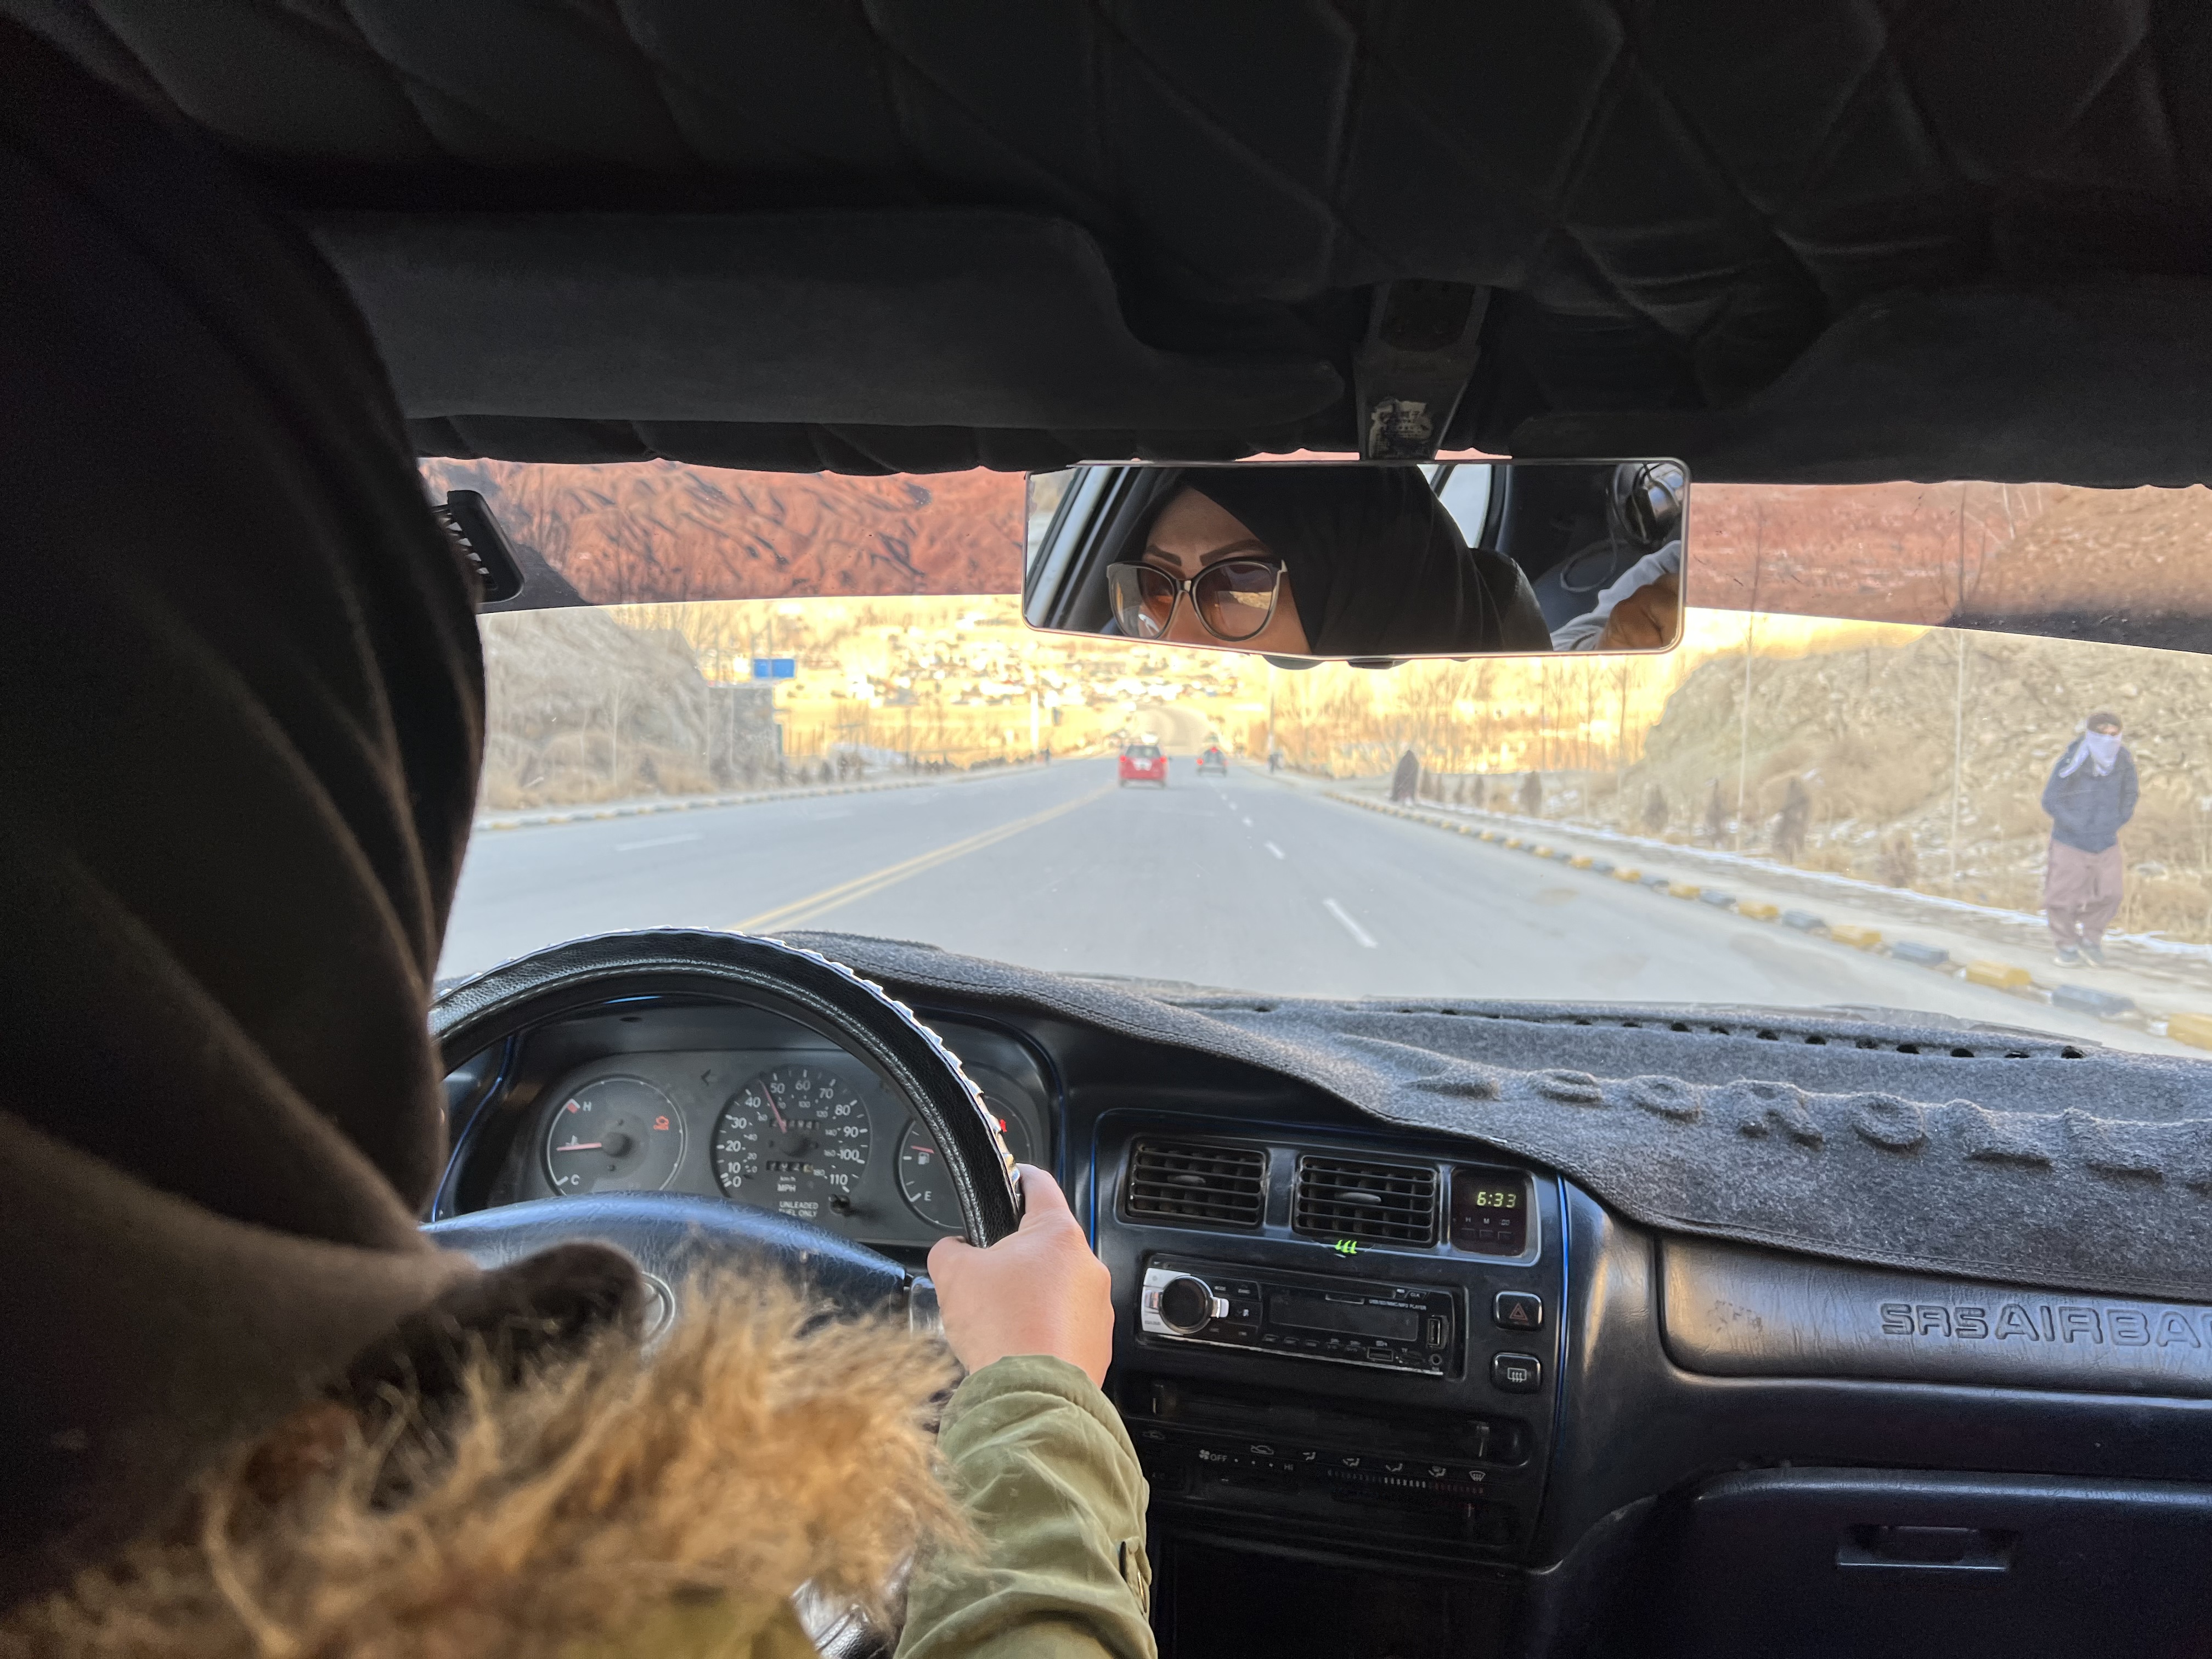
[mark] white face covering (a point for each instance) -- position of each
(2100, 748)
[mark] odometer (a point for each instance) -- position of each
(795, 1139)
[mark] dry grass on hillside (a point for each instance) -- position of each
(583, 709)
(1865, 737)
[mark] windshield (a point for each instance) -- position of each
(1790, 810)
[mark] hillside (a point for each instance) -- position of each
(1867, 736)
(581, 708)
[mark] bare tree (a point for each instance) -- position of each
(1792, 821)
(1899, 860)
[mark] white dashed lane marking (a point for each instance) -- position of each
(1351, 926)
(658, 841)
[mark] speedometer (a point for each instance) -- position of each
(795, 1139)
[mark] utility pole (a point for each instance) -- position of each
(1750, 628)
(1743, 735)
(1958, 697)
(1957, 751)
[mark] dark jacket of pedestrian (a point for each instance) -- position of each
(1406, 781)
(2086, 806)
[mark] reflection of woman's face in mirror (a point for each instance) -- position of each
(1194, 532)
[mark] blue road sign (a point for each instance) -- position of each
(774, 668)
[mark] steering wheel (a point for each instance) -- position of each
(668, 1235)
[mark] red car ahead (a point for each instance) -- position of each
(1144, 762)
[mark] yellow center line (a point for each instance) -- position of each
(890, 875)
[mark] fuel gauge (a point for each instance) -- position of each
(921, 1167)
(615, 1135)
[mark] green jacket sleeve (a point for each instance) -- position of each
(1047, 1473)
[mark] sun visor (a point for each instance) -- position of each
(903, 319)
(2106, 382)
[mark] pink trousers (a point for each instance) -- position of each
(2081, 893)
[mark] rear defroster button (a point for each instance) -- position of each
(1516, 1373)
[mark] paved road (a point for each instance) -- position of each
(1246, 883)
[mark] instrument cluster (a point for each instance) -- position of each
(788, 1122)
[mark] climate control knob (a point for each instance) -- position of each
(1187, 1304)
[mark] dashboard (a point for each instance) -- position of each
(1395, 1392)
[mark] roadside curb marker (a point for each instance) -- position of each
(2191, 1028)
(2090, 1000)
(2196, 1030)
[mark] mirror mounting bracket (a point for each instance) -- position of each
(1409, 372)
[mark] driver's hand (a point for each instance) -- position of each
(1647, 619)
(1037, 1290)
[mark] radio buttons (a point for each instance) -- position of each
(1187, 1305)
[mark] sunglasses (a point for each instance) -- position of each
(1232, 599)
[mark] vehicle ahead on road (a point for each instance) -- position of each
(1211, 758)
(1144, 762)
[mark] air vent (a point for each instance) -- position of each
(1385, 1203)
(1190, 1182)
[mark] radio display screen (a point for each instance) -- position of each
(1318, 1313)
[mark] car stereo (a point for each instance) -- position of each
(1346, 1322)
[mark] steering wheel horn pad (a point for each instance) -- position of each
(671, 1235)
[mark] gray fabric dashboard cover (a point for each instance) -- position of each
(1951, 1149)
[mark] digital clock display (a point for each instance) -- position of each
(1489, 1211)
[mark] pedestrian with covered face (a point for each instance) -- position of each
(2091, 795)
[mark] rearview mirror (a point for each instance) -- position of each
(1363, 561)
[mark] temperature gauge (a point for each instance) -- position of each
(615, 1135)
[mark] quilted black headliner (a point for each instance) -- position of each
(1669, 205)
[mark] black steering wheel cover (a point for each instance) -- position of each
(823, 995)
(669, 1235)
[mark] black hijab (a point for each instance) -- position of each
(241, 707)
(1378, 567)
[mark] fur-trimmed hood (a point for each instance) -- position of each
(560, 1509)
